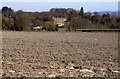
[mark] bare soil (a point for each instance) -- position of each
(65, 54)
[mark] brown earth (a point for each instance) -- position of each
(66, 54)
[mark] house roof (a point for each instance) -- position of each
(59, 20)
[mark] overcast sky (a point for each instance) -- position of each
(38, 5)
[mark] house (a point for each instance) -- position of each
(59, 21)
(38, 28)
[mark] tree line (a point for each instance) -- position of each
(76, 19)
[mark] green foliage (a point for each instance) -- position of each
(7, 24)
(7, 12)
(58, 12)
(53, 28)
(79, 23)
(50, 26)
(19, 20)
(71, 13)
(22, 21)
(81, 12)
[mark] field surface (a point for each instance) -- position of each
(66, 54)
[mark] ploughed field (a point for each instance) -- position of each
(65, 54)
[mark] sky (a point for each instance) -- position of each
(46, 5)
(59, 0)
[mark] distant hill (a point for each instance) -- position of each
(110, 12)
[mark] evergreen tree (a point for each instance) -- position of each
(81, 12)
